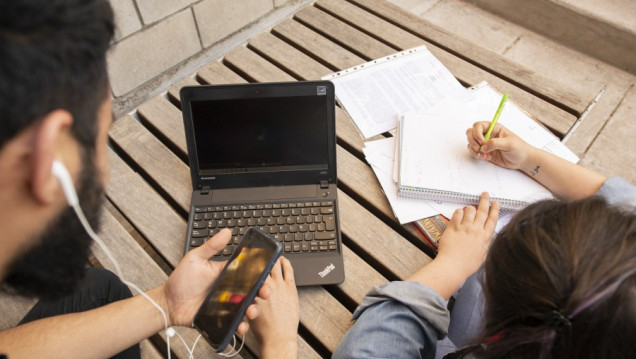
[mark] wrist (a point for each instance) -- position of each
(158, 295)
(531, 164)
(282, 349)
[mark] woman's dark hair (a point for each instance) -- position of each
(560, 282)
(52, 56)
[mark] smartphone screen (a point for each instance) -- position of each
(235, 288)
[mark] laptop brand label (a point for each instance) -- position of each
(327, 270)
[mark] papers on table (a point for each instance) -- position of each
(376, 94)
(411, 80)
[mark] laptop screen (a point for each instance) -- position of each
(261, 134)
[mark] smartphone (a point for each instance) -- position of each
(236, 287)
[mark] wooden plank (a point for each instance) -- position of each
(386, 246)
(217, 73)
(360, 276)
(173, 91)
(148, 351)
(285, 56)
(172, 126)
(567, 98)
(324, 316)
(343, 34)
(140, 204)
(348, 132)
(259, 69)
(13, 309)
(127, 132)
(358, 177)
(323, 49)
(469, 74)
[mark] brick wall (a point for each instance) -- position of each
(155, 40)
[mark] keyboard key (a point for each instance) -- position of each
(195, 242)
(326, 210)
(325, 235)
(330, 223)
(199, 224)
(198, 233)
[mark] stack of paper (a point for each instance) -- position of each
(414, 86)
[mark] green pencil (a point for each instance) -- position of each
(496, 118)
(494, 121)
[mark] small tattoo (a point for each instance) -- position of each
(535, 171)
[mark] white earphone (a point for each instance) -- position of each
(61, 173)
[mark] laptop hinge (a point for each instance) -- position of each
(324, 184)
(205, 189)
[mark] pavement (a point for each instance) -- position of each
(567, 53)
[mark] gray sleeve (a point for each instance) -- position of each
(619, 192)
(399, 318)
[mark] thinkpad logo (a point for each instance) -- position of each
(327, 270)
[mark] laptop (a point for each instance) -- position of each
(264, 155)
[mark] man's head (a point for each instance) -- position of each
(54, 104)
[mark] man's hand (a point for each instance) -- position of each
(191, 281)
(276, 328)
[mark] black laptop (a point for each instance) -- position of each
(264, 155)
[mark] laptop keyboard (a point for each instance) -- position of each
(300, 227)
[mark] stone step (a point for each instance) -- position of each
(605, 30)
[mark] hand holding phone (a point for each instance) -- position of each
(236, 287)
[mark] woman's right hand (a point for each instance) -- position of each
(504, 148)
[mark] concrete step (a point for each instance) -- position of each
(605, 29)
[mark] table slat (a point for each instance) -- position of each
(322, 48)
(258, 68)
(343, 34)
(571, 100)
(288, 57)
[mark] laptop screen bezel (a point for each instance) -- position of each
(189, 94)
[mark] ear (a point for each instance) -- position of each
(52, 141)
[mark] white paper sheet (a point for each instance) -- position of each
(375, 93)
(380, 155)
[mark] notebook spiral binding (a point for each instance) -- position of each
(456, 197)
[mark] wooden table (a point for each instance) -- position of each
(149, 193)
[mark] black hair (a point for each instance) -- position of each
(572, 261)
(53, 56)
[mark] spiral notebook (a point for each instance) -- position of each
(434, 163)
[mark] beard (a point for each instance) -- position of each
(54, 267)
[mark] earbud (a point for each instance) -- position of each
(61, 173)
